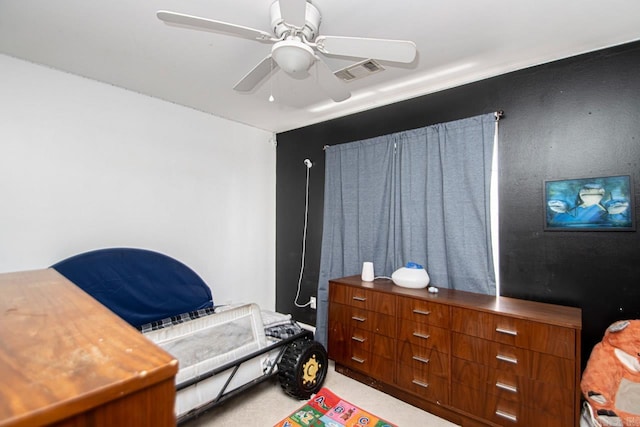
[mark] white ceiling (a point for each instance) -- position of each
(121, 42)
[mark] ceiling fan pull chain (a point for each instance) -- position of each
(271, 98)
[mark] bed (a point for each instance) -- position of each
(222, 350)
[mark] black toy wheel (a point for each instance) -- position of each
(303, 368)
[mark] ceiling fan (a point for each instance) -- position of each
(295, 40)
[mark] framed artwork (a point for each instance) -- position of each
(589, 204)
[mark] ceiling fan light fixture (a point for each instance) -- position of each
(294, 26)
(293, 56)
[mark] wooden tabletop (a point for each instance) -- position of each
(62, 352)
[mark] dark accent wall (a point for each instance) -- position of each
(573, 118)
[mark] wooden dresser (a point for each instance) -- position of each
(473, 359)
(66, 360)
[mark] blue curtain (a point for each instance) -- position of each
(420, 195)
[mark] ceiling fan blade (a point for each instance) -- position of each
(256, 75)
(329, 83)
(383, 49)
(293, 12)
(203, 24)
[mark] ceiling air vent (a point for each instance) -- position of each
(359, 70)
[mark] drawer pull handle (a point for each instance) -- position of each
(359, 339)
(507, 415)
(423, 336)
(507, 359)
(507, 331)
(507, 387)
(425, 312)
(359, 319)
(420, 359)
(420, 383)
(357, 359)
(361, 299)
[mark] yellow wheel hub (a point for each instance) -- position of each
(311, 368)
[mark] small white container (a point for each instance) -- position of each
(367, 272)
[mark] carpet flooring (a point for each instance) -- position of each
(266, 404)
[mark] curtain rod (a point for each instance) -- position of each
(498, 115)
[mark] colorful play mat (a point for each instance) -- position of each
(327, 409)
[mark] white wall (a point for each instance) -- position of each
(85, 165)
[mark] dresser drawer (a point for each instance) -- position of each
(373, 365)
(541, 367)
(509, 359)
(339, 293)
(365, 299)
(488, 406)
(484, 379)
(530, 335)
(430, 387)
(372, 321)
(552, 370)
(424, 335)
(503, 412)
(356, 318)
(548, 398)
(373, 343)
(422, 311)
(427, 361)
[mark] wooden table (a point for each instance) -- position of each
(66, 360)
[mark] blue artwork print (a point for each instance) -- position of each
(603, 203)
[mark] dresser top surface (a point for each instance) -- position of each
(524, 309)
(63, 352)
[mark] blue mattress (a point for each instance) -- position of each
(139, 285)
